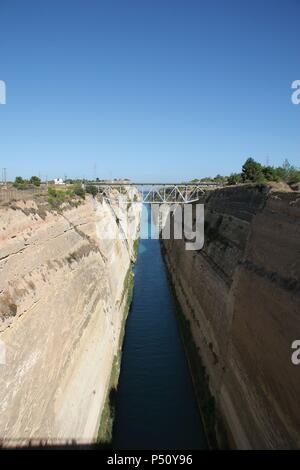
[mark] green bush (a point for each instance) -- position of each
(35, 180)
(56, 197)
(254, 172)
(270, 173)
(289, 173)
(220, 179)
(295, 177)
(91, 189)
(234, 178)
(79, 191)
(19, 180)
(20, 183)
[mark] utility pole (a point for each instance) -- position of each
(4, 176)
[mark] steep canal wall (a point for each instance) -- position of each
(240, 298)
(63, 299)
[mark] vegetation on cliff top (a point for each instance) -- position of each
(21, 183)
(254, 172)
(56, 197)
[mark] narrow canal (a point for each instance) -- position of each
(156, 406)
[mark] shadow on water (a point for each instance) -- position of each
(156, 406)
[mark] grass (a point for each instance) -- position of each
(136, 247)
(72, 196)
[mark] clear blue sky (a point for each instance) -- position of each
(147, 89)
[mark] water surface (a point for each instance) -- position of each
(156, 406)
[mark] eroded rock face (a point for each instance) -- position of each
(61, 310)
(241, 295)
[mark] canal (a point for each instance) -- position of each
(156, 406)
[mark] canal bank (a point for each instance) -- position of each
(156, 407)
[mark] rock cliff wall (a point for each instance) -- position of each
(63, 297)
(241, 297)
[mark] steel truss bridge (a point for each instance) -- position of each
(154, 193)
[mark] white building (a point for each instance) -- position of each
(58, 181)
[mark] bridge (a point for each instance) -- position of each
(154, 193)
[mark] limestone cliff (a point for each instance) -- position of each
(241, 297)
(62, 305)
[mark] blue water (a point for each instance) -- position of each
(156, 406)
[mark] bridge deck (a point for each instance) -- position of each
(156, 193)
(130, 183)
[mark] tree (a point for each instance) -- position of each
(35, 180)
(280, 172)
(91, 189)
(294, 176)
(79, 191)
(206, 179)
(20, 183)
(19, 180)
(290, 172)
(220, 179)
(270, 173)
(234, 178)
(252, 171)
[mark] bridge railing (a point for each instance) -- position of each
(156, 193)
